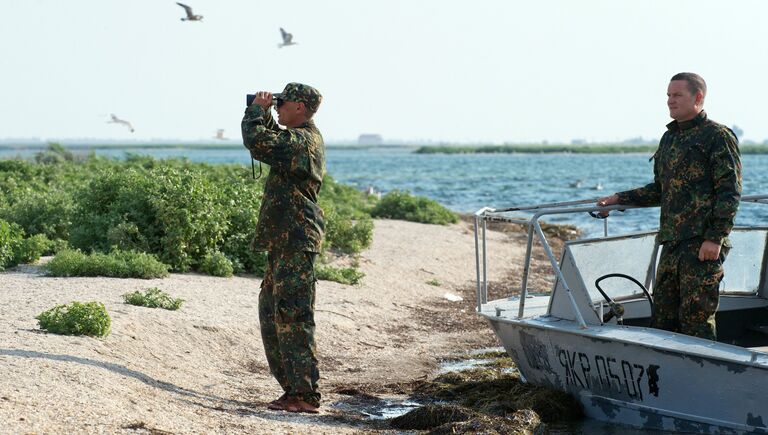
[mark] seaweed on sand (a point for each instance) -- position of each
(497, 393)
(429, 416)
(452, 419)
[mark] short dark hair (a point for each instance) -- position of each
(695, 82)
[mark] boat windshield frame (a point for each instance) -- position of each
(530, 216)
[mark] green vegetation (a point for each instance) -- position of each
(217, 264)
(11, 236)
(343, 275)
(434, 282)
(15, 249)
(153, 298)
(402, 205)
(118, 264)
(77, 318)
(32, 248)
(190, 216)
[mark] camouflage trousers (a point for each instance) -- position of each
(687, 290)
(286, 316)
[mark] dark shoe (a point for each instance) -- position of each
(295, 404)
(279, 403)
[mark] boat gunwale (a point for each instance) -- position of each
(751, 356)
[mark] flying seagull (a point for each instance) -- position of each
(190, 15)
(116, 120)
(220, 134)
(287, 39)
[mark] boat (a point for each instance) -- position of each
(590, 335)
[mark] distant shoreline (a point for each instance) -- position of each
(417, 149)
(560, 149)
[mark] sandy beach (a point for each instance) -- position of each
(202, 369)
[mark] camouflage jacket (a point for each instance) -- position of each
(290, 218)
(697, 181)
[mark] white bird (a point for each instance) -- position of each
(287, 39)
(116, 120)
(220, 134)
(576, 184)
(598, 186)
(190, 15)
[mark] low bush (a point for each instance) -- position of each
(117, 264)
(77, 318)
(347, 235)
(11, 237)
(46, 212)
(32, 248)
(153, 298)
(216, 264)
(343, 275)
(402, 205)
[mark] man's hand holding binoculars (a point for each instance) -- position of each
(263, 99)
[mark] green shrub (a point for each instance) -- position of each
(46, 212)
(77, 318)
(402, 205)
(216, 264)
(343, 275)
(153, 298)
(190, 213)
(56, 246)
(347, 200)
(346, 235)
(175, 213)
(11, 238)
(118, 264)
(106, 204)
(31, 249)
(241, 202)
(126, 236)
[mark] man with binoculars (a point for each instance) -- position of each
(290, 229)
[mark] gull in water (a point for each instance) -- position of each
(190, 15)
(116, 120)
(287, 39)
(576, 184)
(220, 134)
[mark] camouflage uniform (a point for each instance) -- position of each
(290, 228)
(697, 183)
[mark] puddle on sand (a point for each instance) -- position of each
(377, 408)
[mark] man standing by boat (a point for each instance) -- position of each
(697, 183)
(290, 229)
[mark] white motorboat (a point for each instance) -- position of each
(589, 335)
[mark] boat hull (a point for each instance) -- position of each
(642, 377)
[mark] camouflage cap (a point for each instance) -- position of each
(301, 93)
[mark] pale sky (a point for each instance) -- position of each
(426, 70)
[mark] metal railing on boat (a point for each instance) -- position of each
(486, 214)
